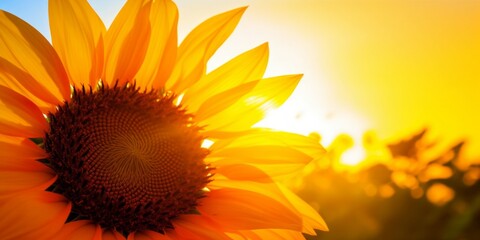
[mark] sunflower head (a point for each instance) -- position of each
(101, 146)
(136, 155)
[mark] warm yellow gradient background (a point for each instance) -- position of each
(394, 66)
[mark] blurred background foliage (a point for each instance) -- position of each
(409, 189)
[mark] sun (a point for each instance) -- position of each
(353, 156)
(290, 117)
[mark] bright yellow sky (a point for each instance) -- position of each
(391, 66)
(403, 64)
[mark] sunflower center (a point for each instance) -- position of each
(127, 160)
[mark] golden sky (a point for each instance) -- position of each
(392, 66)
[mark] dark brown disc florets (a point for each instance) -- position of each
(127, 160)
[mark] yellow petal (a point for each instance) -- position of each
(112, 235)
(262, 154)
(79, 230)
(197, 227)
(280, 234)
(266, 137)
(251, 108)
(162, 49)
(19, 116)
(246, 67)
(267, 187)
(260, 234)
(227, 135)
(127, 41)
(275, 153)
(199, 46)
(76, 32)
(20, 164)
(16, 182)
(310, 217)
(237, 209)
(20, 81)
(19, 170)
(26, 48)
(242, 172)
(33, 216)
(148, 235)
(20, 148)
(223, 100)
(244, 235)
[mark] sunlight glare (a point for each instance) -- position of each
(207, 143)
(353, 156)
(295, 117)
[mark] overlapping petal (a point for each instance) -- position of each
(79, 230)
(22, 82)
(197, 48)
(127, 41)
(15, 182)
(197, 226)
(249, 109)
(309, 218)
(274, 152)
(162, 47)
(148, 235)
(23, 46)
(19, 116)
(246, 67)
(19, 170)
(112, 235)
(20, 148)
(77, 36)
(224, 100)
(190, 226)
(240, 209)
(33, 216)
(260, 234)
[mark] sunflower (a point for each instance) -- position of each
(103, 133)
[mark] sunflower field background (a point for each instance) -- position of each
(390, 89)
(411, 194)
